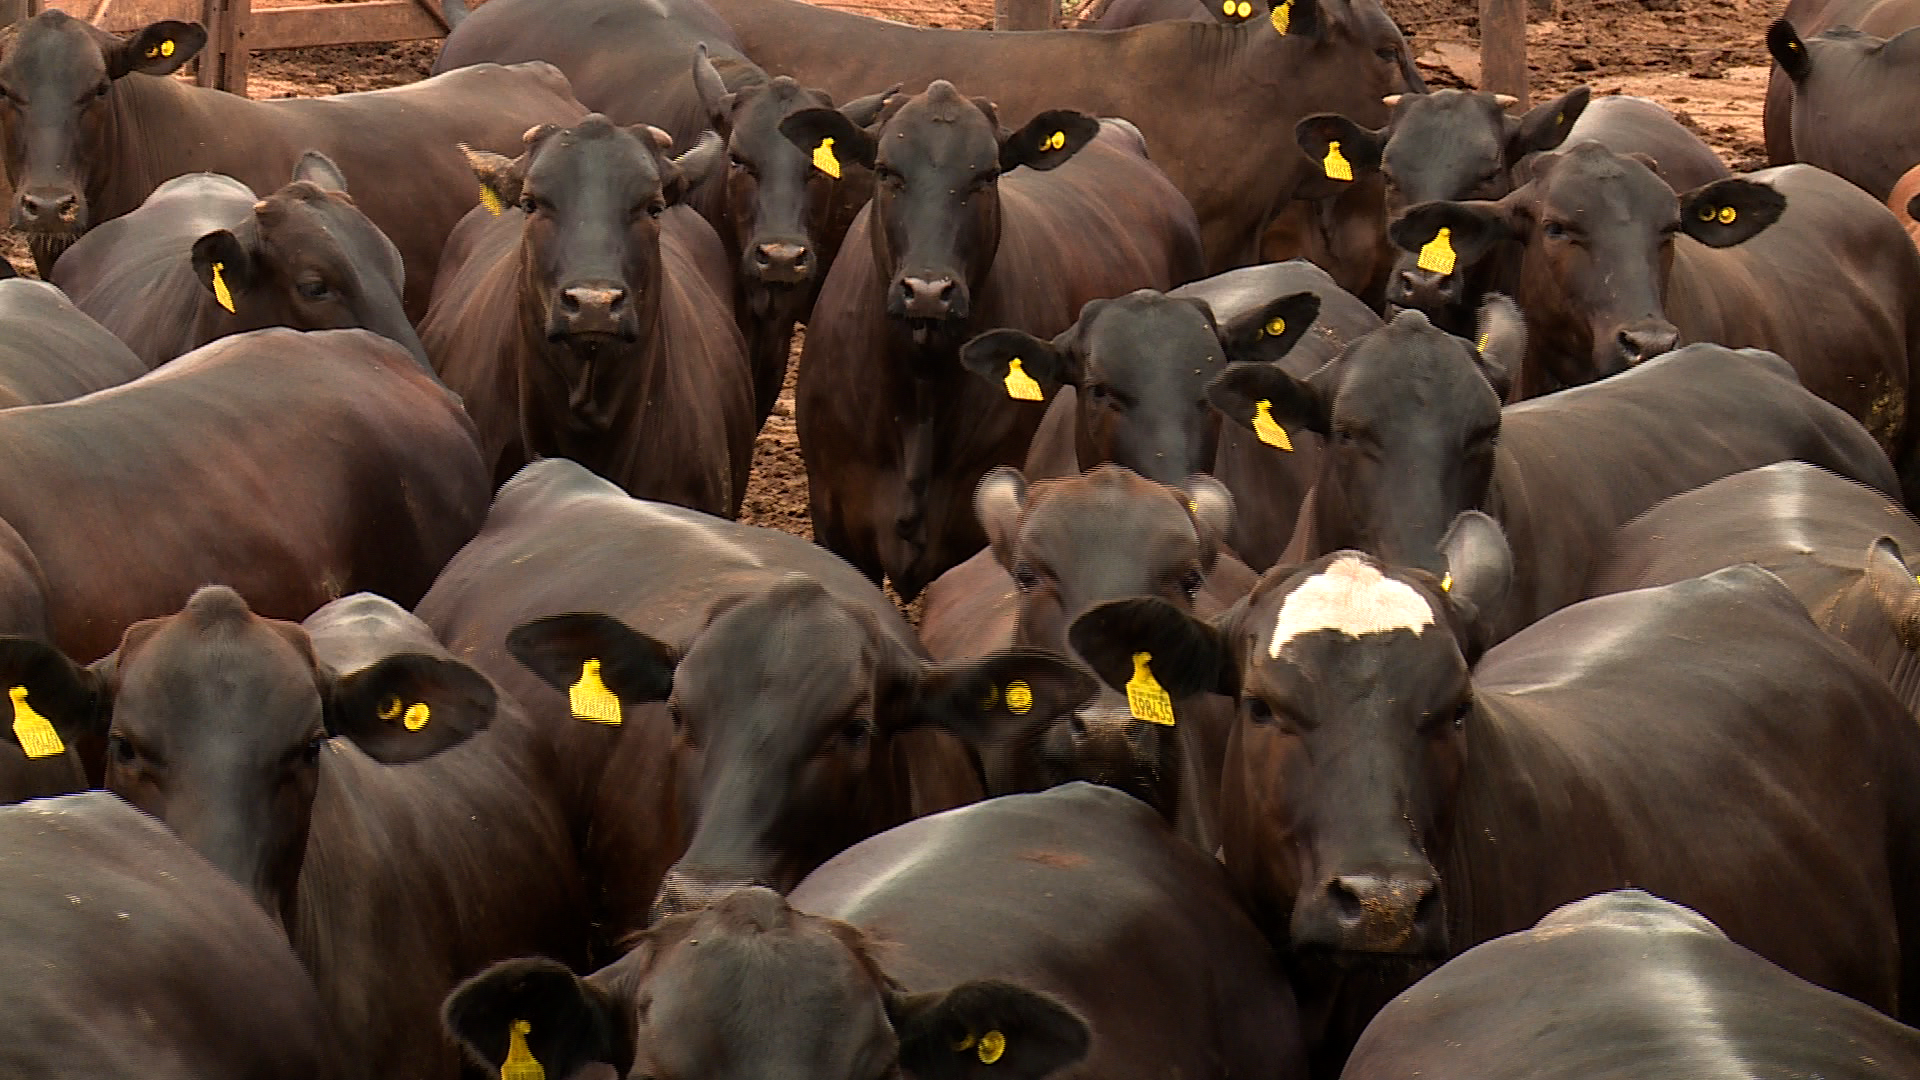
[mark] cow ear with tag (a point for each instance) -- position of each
(599, 662)
(1729, 212)
(500, 177)
(410, 706)
(1479, 573)
(53, 701)
(1019, 365)
(533, 1013)
(1210, 505)
(1123, 639)
(830, 139)
(998, 502)
(1268, 402)
(1500, 344)
(1341, 151)
(1269, 332)
(223, 266)
(1788, 50)
(978, 698)
(1449, 237)
(985, 1029)
(1048, 140)
(157, 49)
(1545, 126)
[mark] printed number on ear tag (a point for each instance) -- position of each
(1337, 167)
(824, 160)
(1437, 255)
(220, 291)
(1020, 385)
(520, 1063)
(1267, 429)
(590, 699)
(1146, 698)
(35, 732)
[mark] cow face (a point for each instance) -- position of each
(1411, 418)
(1595, 232)
(218, 722)
(937, 162)
(308, 259)
(1355, 710)
(57, 105)
(785, 710)
(751, 988)
(1141, 364)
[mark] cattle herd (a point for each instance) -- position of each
(1409, 586)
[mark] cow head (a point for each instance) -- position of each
(1852, 93)
(1355, 711)
(1411, 418)
(591, 197)
(308, 259)
(937, 161)
(1450, 144)
(57, 114)
(217, 722)
(1595, 234)
(785, 710)
(1141, 364)
(750, 987)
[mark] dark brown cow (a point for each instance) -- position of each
(1852, 97)
(205, 257)
(1383, 808)
(959, 239)
(365, 788)
(772, 691)
(294, 466)
(1625, 986)
(51, 351)
(91, 126)
(589, 318)
(1120, 14)
(1806, 18)
(127, 957)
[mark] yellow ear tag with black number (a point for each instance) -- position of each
(1336, 165)
(34, 731)
(416, 716)
(1146, 698)
(1437, 256)
(491, 201)
(220, 291)
(1020, 385)
(824, 160)
(590, 699)
(520, 1063)
(992, 1045)
(1446, 581)
(1019, 698)
(1282, 16)
(1267, 429)
(1727, 214)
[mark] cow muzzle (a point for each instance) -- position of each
(933, 298)
(1103, 743)
(1435, 295)
(1638, 343)
(602, 308)
(49, 210)
(780, 263)
(1392, 912)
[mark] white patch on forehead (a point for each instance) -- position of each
(1354, 598)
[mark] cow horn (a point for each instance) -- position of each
(537, 132)
(1505, 101)
(661, 140)
(1391, 100)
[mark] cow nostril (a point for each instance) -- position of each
(570, 301)
(1344, 897)
(946, 292)
(616, 300)
(1077, 726)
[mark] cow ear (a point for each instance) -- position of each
(712, 90)
(1783, 41)
(986, 1029)
(223, 266)
(1048, 140)
(1268, 401)
(1211, 505)
(810, 130)
(592, 657)
(42, 683)
(1341, 150)
(157, 49)
(1729, 212)
(410, 706)
(1501, 344)
(319, 170)
(1185, 655)
(1269, 332)
(1894, 587)
(1545, 126)
(693, 168)
(1297, 18)
(981, 698)
(1479, 573)
(537, 1007)
(1472, 230)
(997, 504)
(500, 177)
(992, 355)
(861, 112)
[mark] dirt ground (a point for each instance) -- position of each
(1705, 59)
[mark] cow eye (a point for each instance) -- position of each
(1389, 53)
(1259, 711)
(314, 289)
(529, 204)
(1190, 583)
(1554, 230)
(120, 751)
(310, 753)
(855, 733)
(656, 208)
(1024, 577)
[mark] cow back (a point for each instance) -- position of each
(51, 351)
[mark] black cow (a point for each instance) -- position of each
(1625, 986)
(205, 257)
(957, 240)
(1383, 808)
(354, 779)
(1120, 14)
(585, 314)
(126, 956)
(51, 351)
(1848, 97)
(1418, 435)
(1806, 18)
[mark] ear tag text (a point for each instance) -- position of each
(1437, 255)
(520, 1063)
(35, 732)
(824, 160)
(1020, 385)
(590, 699)
(220, 291)
(1267, 429)
(1337, 166)
(1146, 698)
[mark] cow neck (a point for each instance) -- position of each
(140, 110)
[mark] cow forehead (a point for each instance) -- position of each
(1350, 597)
(51, 48)
(1590, 179)
(1151, 339)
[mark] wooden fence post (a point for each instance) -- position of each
(1026, 14)
(1503, 48)
(223, 62)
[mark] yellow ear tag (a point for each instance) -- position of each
(220, 291)
(1481, 345)
(824, 160)
(34, 731)
(1336, 166)
(389, 709)
(166, 47)
(964, 1044)
(1727, 214)
(1267, 429)
(991, 699)
(1706, 213)
(1446, 581)
(1282, 16)
(1019, 698)
(1020, 385)
(1146, 699)
(1276, 326)
(491, 201)
(520, 1063)
(1056, 141)
(1243, 9)
(992, 1045)
(416, 717)
(590, 699)
(1227, 8)
(1437, 256)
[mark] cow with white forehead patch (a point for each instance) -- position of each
(1386, 803)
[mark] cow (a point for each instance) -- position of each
(1850, 100)
(315, 464)
(585, 314)
(1392, 796)
(364, 788)
(1066, 934)
(754, 700)
(1455, 144)
(1611, 269)
(205, 257)
(1837, 544)
(51, 351)
(958, 239)
(1120, 14)
(126, 955)
(90, 126)
(1807, 18)
(1625, 986)
(1418, 435)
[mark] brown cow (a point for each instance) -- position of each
(586, 315)
(1805, 19)
(90, 126)
(51, 351)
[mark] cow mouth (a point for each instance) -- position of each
(47, 246)
(927, 333)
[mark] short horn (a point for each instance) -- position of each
(1391, 100)
(1505, 101)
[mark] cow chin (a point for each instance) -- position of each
(47, 247)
